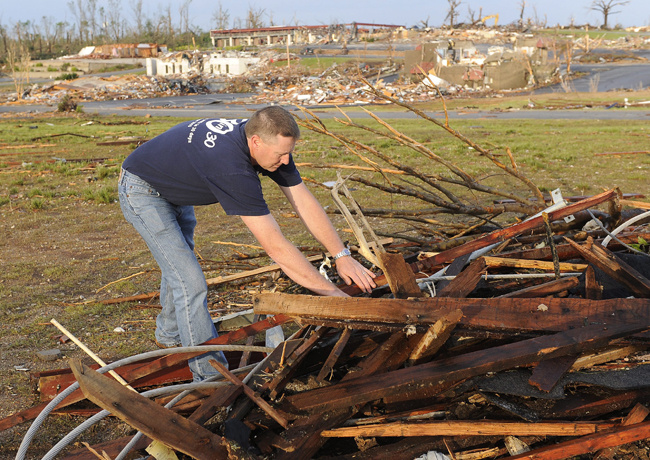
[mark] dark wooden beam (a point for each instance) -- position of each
(435, 375)
(546, 289)
(507, 314)
(589, 443)
(466, 281)
(548, 372)
(615, 267)
(148, 417)
(338, 348)
(399, 275)
(510, 232)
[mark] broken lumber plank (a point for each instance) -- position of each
(261, 403)
(510, 232)
(593, 290)
(593, 406)
(303, 438)
(545, 289)
(636, 204)
(471, 428)
(604, 356)
(328, 366)
(399, 275)
(231, 337)
(273, 362)
(148, 417)
(290, 364)
(613, 266)
(249, 341)
(531, 264)
(435, 337)
(434, 375)
(146, 370)
(389, 355)
(549, 314)
(548, 372)
(637, 415)
(454, 269)
(466, 281)
(258, 271)
(220, 397)
(589, 443)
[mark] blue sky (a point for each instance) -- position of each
(313, 12)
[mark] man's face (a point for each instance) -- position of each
(271, 155)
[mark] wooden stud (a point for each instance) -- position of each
(261, 403)
(148, 417)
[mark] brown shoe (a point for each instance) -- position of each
(161, 345)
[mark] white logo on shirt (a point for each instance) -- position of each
(218, 126)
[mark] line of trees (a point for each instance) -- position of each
(96, 22)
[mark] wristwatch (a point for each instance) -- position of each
(343, 253)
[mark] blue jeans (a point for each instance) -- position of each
(168, 230)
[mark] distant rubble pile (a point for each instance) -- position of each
(449, 58)
(111, 88)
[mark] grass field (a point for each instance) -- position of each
(65, 245)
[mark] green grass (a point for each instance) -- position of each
(64, 236)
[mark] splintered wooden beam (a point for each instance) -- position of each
(334, 354)
(589, 443)
(509, 314)
(615, 267)
(399, 275)
(545, 289)
(465, 281)
(257, 399)
(290, 364)
(435, 375)
(435, 337)
(532, 264)
(470, 428)
(593, 290)
(148, 417)
(510, 232)
(637, 415)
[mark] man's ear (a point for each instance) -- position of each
(256, 139)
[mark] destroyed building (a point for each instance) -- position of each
(123, 50)
(290, 35)
(230, 63)
(461, 64)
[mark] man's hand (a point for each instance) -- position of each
(352, 271)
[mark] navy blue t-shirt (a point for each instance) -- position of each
(207, 161)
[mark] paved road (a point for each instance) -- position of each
(606, 77)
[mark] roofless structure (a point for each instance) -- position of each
(297, 34)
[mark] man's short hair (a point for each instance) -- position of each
(270, 121)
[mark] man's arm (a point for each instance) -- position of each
(287, 256)
(315, 219)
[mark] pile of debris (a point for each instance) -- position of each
(120, 87)
(539, 351)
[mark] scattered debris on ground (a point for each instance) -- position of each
(537, 349)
